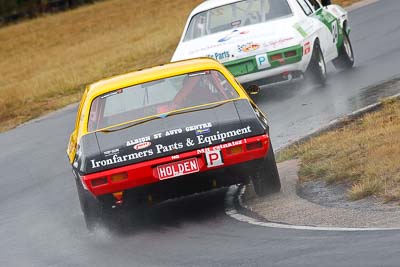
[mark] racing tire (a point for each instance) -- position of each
(266, 180)
(91, 207)
(317, 68)
(345, 59)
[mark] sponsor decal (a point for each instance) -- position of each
(231, 35)
(207, 125)
(114, 158)
(304, 28)
(300, 29)
(138, 141)
(203, 131)
(221, 137)
(245, 48)
(111, 152)
(278, 42)
(220, 56)
(164, 149)
(120, 159)
(205, 48)
(173, 132)
(222, 146)
(142, 145)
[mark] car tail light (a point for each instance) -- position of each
(255, 145)
(99, 181)
(291, 53)
(234, 150)
(276, 57)
(119, 177)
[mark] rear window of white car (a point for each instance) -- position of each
(159, 97)
(238, 14)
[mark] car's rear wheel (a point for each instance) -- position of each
(92, 208)
(266, 179)
(317, 67)
(345, 60)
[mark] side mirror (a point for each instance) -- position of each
(253, 89)
(326, 2)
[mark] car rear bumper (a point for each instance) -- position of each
(280, 79)
(188, 185)
(282, 71)
(145, 173)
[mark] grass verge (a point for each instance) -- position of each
(46, 62)
(362, 154)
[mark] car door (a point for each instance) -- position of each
(329, 31)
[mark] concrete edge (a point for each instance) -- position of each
(235, 209)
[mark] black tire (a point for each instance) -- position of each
(317, 68)
(345, 59)
(266, 179)
(91, 207)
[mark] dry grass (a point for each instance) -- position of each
(363, 154)
(46, 62)
(345, 2)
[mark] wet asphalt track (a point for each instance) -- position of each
(41, 223)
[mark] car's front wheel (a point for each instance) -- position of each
(345, 60)
(266, 179)
(317, 67)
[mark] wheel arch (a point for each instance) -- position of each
(345, 27)
(313, 40)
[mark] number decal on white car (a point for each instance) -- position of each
(335, 32)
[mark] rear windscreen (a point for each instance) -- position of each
(158, 97)
(234, 15)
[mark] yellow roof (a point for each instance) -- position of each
(155, 73)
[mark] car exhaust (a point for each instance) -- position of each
(253, 89)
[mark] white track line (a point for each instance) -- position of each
(231, 211)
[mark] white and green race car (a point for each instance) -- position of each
(269, 41)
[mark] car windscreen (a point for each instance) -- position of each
(158, 97)
(235, 15)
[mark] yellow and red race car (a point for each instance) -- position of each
(164, 132)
